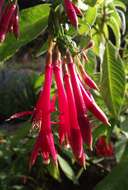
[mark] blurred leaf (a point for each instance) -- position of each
(91, 2)
(54, 171)
(32, 22)
(120, 148)
(17, 91)
(90, 67)
(42, 50)
(39, 81)
(116, 180)
(113, 80)
(21, 132)
(66, 168)
(90, 15)
(115, 14)
(112, 23)
(120, 4)
(124, 125)
(84, 28)
(97, 39)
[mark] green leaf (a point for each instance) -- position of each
(54, 171)
(90, 15)
(84, 28)
(116, 180)
(66, 168)
(32, 22)
(115, 14)
(120, 148)
(118, 3)
(112, 80)
(112, 23)
(97, 39)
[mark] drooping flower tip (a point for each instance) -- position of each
(82, 160)
(77, 10)
(87, 79)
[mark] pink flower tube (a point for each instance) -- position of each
(77, 10)
(87, 79)
(80, 105)
(45, 141)
(75, 137)
(62, 101)
(93, 107)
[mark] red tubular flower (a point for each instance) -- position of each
(5, 20)
(81, 108)
(87, 79)
(80, 105)
(42, 100)
(77, 10)
(62, 101)
(82, 159)
(86, 130)
(103, 148)
(19, 115)
(45, 141)
(71, 13)
(93, 107)
(75, 137)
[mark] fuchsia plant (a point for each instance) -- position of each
(72, 100)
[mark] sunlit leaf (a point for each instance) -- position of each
(113, 80)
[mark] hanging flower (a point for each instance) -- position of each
(83, 120)
(62, 100)
(75, 137)
(104, 148)
(41, 118)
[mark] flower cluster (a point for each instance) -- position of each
(72, 101)
(104, 148)
(9, 19)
